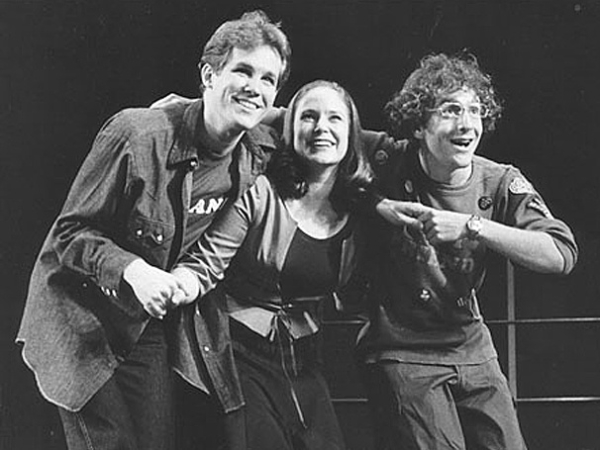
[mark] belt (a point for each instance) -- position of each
(281, 322)
(298, 315)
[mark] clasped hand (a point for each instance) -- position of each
(157, 290)
(437, 225)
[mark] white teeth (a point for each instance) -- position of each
(247, 103)
(461, 143)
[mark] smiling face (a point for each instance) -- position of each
(238, 96)
(321, 127)
(448, 144)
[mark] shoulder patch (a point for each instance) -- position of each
(520, 185)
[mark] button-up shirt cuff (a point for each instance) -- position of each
(111, 272)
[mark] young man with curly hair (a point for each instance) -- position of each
(429, 363)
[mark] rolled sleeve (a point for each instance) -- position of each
(526, 209)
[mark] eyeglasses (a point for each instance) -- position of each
(456, 110)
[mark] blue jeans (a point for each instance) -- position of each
(435, 407)
(133, 410)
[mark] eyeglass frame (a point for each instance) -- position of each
(485, 111)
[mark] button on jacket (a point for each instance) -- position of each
(130, 199)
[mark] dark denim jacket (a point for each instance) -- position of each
(126, 202)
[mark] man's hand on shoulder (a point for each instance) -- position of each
(274, 117)
(170, 100)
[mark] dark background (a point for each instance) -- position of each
(66, 66)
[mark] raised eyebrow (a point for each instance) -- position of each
(331, 112)
(341, 112)
(243, 65)
(250, 67)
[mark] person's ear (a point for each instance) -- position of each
(206, 75)
(418, 133)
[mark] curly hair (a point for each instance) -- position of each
(288, 171)
(250, 31)
(436, 77)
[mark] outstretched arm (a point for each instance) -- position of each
(535, 250)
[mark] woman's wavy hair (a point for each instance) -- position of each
(288, 171)
(436, 77)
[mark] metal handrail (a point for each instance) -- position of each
(590, 399)
(550, 320)
(511, 323)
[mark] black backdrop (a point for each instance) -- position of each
(66, 66)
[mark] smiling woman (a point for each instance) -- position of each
(322, 121)
(289, 246)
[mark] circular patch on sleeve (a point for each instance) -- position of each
(520, 185)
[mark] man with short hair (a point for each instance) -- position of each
(430, 366)
(154, 180)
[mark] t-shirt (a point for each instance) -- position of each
(212, 183)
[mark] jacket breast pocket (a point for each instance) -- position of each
(150, 238)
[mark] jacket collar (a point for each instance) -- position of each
(188, 118)
(186, 123)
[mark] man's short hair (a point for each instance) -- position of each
(250, 31)
(436, 77)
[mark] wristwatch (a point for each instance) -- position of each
(474, 226)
